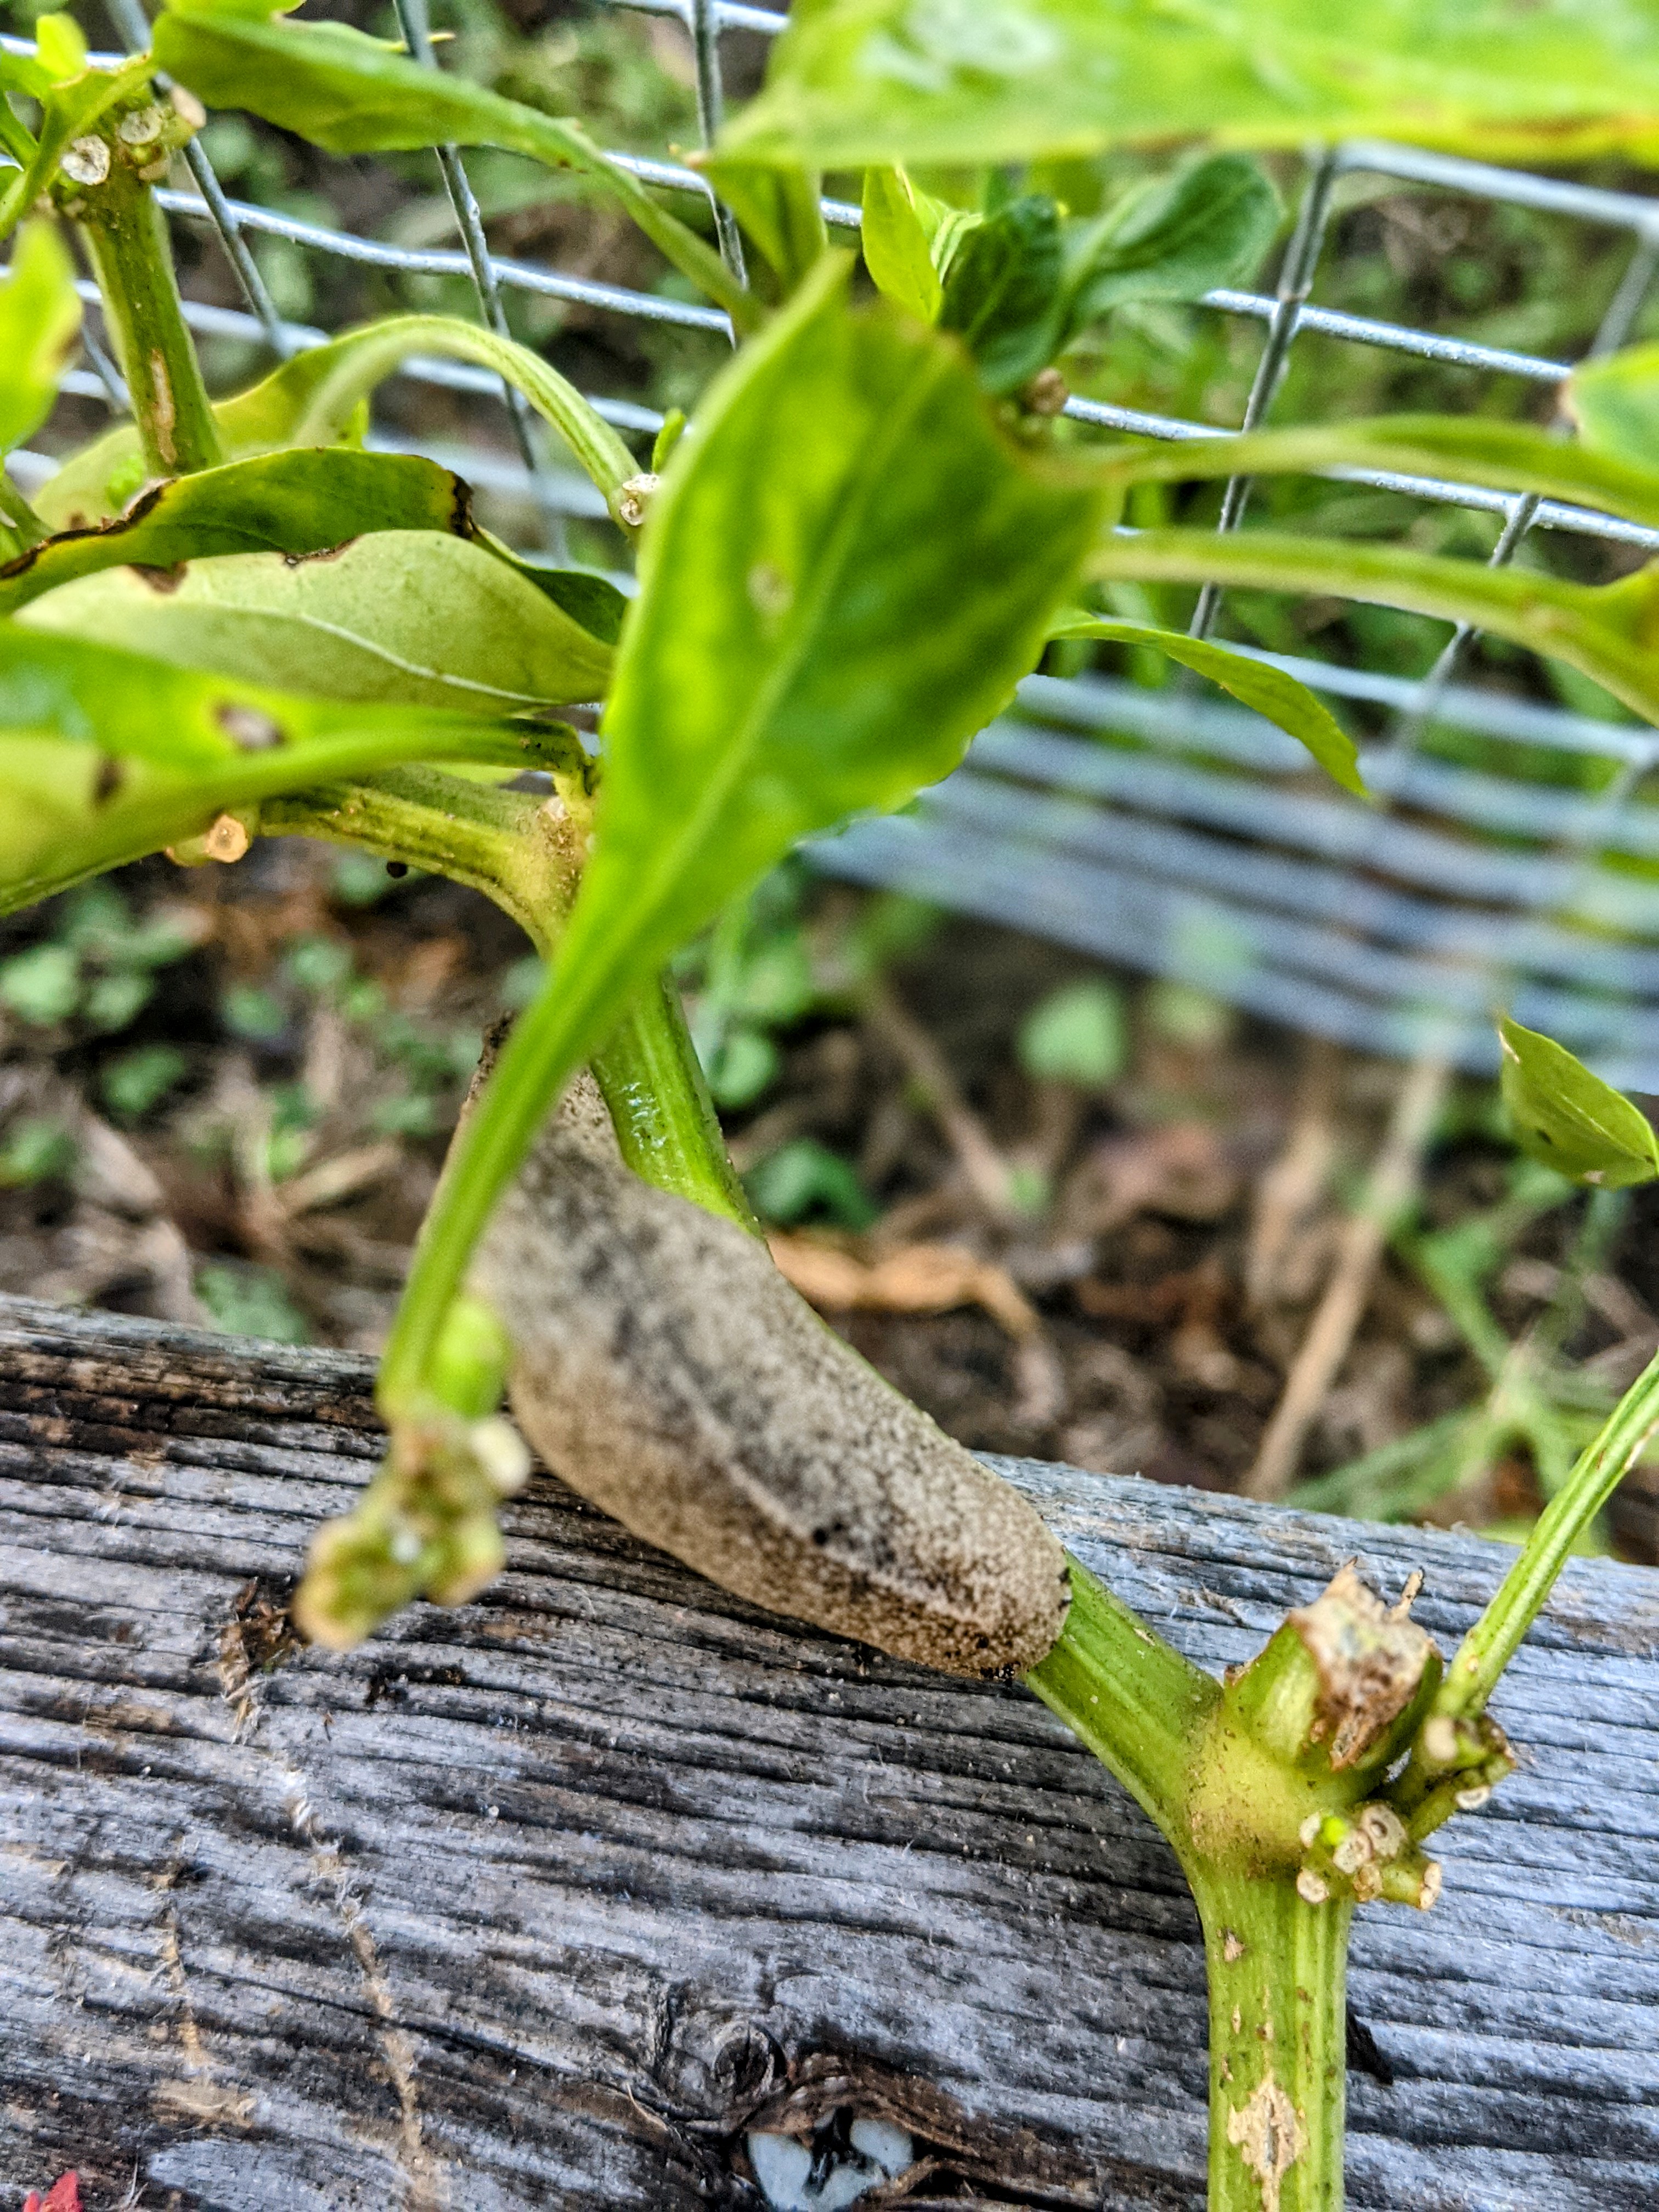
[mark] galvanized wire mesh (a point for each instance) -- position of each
(1163, 830)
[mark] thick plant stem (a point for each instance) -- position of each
(1278, 1979)
(506, 844)
(130, 258)
(1276, 1963)
(1133, 1699)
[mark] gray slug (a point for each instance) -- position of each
(664, 1369)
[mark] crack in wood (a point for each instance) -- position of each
(595, 1870)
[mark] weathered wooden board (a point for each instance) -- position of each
(533, 1903)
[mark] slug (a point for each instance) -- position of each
(664, 1369)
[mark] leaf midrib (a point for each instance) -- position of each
(739, 754)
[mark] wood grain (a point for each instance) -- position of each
(539, 1902)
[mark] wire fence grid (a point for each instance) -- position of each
(1163, 830)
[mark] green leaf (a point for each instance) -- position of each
(593, 602)
(1004, 294)
(1173, 239)
(952, 226)
(106, 755)
(39, 324)
(1614, 400)
(402, 616)
(844, 575)
(896, 245)
(34, 1149)
(142, 1078)
(805, 1177)
(1269, 690)
(1570, 1119)
(60, 49)
(293, 503)
(353, 95)
(781, 210)
(972, 82)
(1076, 1035)
(41, 986)
(317, 399)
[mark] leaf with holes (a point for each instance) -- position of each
(1570, 1119)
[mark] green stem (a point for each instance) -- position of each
(525, 855)
(1595, 629)
(495, 841)
(660, 1108)
(570, 1022)
(128, 244)
(183, 807)
(363, 359)
(1497, 1636)
(1278, 1980)
(1508, 456)
(1139, 1705)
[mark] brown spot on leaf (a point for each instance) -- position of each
(323, 553)
(163, 581)
(107, 779)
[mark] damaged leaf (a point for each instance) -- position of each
(292, 503)
(405, 617)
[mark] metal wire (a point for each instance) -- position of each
(469, 218)
(1172, 832)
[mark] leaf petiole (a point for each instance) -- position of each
(1497, 1636)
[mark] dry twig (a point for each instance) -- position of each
(1393, 1180)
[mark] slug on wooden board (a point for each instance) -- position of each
(664, 1369)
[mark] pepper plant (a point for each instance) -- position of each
(227, 620)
